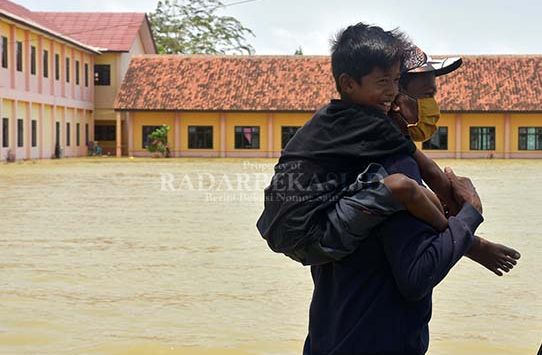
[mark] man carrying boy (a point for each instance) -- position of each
(377, 299)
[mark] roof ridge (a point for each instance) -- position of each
(89, 12)
(240, 56)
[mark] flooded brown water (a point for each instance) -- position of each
(106, 256)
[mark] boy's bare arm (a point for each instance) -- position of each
(437, 181)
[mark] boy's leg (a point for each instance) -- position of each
(416, 200)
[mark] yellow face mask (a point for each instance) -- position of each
(428, 116)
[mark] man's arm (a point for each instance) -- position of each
(437, 181)
(419, 256)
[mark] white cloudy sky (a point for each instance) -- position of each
(439, 27)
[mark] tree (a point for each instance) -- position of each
(193, 27)
(158, 139)
(299, 51)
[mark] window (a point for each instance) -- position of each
(45, 64)
(20, 132)
(76, 72)
(57, 133)
(200, 137)
(67, 70)
(5, 132)
(105, 133)
(19, 54)
(530, 138)
(146, 131)
(4, 52)
(439, 141)
(57, 67)
(102, 74)
(68, 134)
(77, 134)
(33, 60)
(247, 137)
(86, 134)
(287, 134)
(34, 133)
(482, 138)
(86, 75)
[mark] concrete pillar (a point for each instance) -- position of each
(458, 135)
(26, 60)
(119, 135)
(177, 133)
(13, 128)
(12, 45)
(63, 71)
(223, 135)
(507, 136)
(28, 130)
(39, 71)
(52, 69)
(41, 138)
(270, 135)
(91, 125)
(130, 126)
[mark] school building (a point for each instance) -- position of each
(240, 106)
(59, 75)
(70, 78)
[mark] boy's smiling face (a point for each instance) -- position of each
(377, 89)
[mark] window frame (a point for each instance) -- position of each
(537, 135)
(145, 137)
(109, 132)
(5, 52)
(45, 63)
(68, 135)
(99, 79)
(20, 133)
(428, 145)
(238, 132)
(5, 132)
(57, 67)
(194, 136)
(19, 56)
(33, 64)
(67, 67)
(34, 133)
(77, 74)
(491, 133)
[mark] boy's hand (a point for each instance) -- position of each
(463, 189)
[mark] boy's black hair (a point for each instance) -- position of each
(358, 49)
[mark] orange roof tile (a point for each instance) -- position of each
(305, 83)
(493, 83)
(109, 31)
(230, 83)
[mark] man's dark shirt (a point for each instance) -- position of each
(378, 299)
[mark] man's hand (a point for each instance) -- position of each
(463, 190)
(404, 111)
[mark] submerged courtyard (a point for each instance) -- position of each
(118, 256)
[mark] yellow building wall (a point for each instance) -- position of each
(246, 119)
(140, 119)
(284, 120)
(482, 120)
(4, 29)
(200, 119)
(105, 95)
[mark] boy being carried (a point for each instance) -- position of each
(319, 207)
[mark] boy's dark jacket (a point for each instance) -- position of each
(315, 169)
